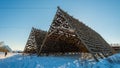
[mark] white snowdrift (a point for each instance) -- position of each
(20, 61)
(110, 62)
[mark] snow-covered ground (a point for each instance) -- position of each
(110, 62)
(20, 61)
(2, 55)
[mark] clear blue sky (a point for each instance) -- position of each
(17, 17)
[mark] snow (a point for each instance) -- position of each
(69, 61)
(110, 62)
(2, 55)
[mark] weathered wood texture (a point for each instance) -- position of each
(67, 34)
(34, 41)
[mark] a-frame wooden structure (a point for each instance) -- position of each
(34, 41)
(67, 34)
